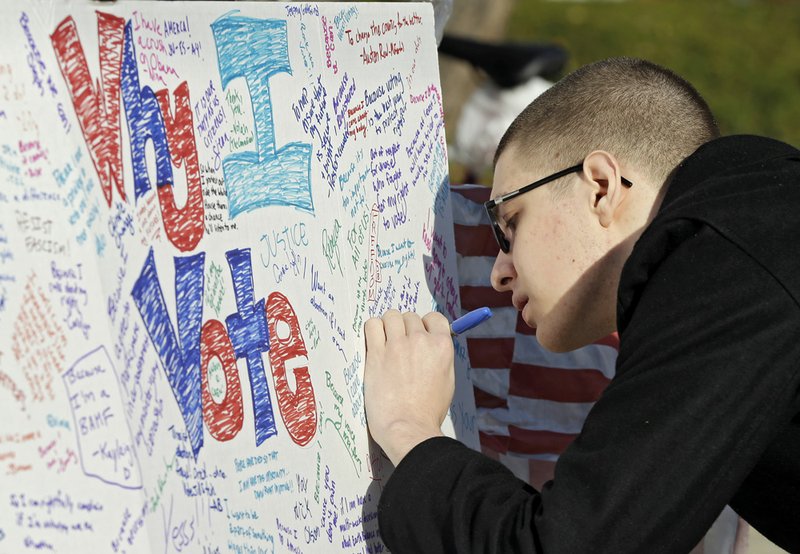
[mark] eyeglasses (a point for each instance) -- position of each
(491, 205)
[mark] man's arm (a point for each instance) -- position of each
(706, 376)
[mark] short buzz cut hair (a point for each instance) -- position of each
(640, 112)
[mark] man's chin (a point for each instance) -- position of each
(551, 335)
(556, 347)
(560, 341)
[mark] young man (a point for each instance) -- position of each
(618, 207)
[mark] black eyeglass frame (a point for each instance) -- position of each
(491, 205)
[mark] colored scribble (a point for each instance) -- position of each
(255, 50)
(38, 342)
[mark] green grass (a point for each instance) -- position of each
(743, 56)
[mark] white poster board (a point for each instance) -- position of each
(200, 205)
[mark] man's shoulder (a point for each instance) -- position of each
(745, 189)
(715, 178)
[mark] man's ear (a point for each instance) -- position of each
(602, 170)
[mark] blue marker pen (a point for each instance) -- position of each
(470, 320)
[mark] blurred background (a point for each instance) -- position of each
(742, 55)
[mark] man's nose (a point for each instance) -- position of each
(503, 272)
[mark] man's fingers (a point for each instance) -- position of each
(393, 324)
(374, 333)
(413, 323)
(436, 323)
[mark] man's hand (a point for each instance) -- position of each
(408, 379)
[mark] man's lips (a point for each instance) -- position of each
(519, 302)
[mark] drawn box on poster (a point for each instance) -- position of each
(96, 404)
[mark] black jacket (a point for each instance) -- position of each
(702, 412)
